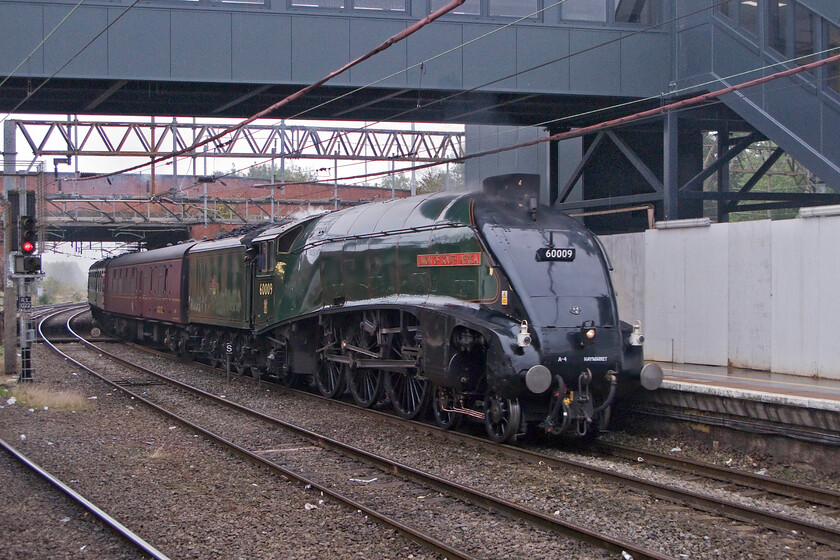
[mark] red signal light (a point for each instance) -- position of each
(28, 235)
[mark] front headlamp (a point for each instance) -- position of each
(587, 333)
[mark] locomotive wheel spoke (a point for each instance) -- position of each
(408, 390)
(409, 393)
(366, 385)
(502, 418)
(330, 375)
(330, 379)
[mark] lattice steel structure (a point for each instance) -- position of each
(155, 139)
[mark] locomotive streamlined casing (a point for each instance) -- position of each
(488, 299)
(369, 255)
(447, 259)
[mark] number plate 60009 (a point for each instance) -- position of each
(555, 254)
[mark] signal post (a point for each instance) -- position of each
(25, 268)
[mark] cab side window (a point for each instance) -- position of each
(285, 242)
(265, 260)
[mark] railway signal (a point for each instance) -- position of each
(28, 239)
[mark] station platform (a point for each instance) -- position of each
(796, 407)
(733, 381)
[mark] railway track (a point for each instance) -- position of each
(752, 486)
(449, 496)
(734, 479)
(128, 536)
(674, 497)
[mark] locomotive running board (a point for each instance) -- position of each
(386, 364)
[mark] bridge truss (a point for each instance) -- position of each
(72, 138)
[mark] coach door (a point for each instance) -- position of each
(264, 280)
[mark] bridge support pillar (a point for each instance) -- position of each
(670, 179)
(9, 290)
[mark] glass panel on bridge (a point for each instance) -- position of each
(584, 10)
(383, 5)
(833, 70)
(748, 16)
(803, 34)
(638, 11)
(779, 21)
(513, 8)
(317, 3)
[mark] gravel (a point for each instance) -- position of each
(182, 494)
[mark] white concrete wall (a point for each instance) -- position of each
(627, 254)
(750, 294)
(759, 295)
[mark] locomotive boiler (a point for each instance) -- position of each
(483, 305)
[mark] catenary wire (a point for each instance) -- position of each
(515, 74)
(643, 115)
(361, 178)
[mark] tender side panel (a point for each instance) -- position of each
(220, 286)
